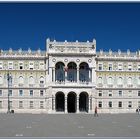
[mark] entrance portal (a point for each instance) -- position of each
(71, 102)
(60, 101)
(83, 102)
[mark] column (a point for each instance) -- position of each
(52, 102)
(89, 75)
(53, 74)
(66, 111)
(65, 76)
(77, 104)
(77, 74)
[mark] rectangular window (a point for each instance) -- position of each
(139, 104)
(0, 92)
(139, 93)
(11, 104)
(100, 66)
(21, 65)
(0, 104)
(10, 65)
(20, 92)
(138, 67)
(119, 104)
(120, 93)
(130, 67)
(100, 104)
(31, 65)
(110, 104)
(120, 67)
(31, 92)
(41, 92)
(10, 92)
(41, 65)
(100, 93)
(20, 104)
(1, 67)
(130, 104)
(110, 67)
(31, 104)
(129, 93)
(110, 94)
(41, 104)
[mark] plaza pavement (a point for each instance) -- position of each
(69, 126)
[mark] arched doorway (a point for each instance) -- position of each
(83, 102)
(72, 72)
(59, 72)
(84, 72)
(71, 102)
(60, 101)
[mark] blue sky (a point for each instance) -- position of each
(113, 25)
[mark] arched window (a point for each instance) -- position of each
(100, 80)
(120, 81)
(21, 80)
(1, 80)
(129, 81)
(110, 81)
(41, 80)
(31, 80)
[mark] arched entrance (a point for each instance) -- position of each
(71, 102)
(60, 102)
(83, 102)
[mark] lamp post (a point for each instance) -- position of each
(9, 79)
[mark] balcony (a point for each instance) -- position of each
(129, 85)
(110, 85)
(73, 83)
(31, 85)
(120, 86)
(20, 85)
(100, 85)
(41, 85)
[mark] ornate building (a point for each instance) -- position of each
(70, 77)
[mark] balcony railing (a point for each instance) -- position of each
(130, 85)
(120, 86)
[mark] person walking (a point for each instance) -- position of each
(96, 113)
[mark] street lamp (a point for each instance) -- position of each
(9, 79)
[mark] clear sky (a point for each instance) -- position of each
(113, 25)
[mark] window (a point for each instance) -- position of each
(120, 81)
(100, 80)
(129, 93)
(10, 92)
(110, 104)
(120, 104)
(110, 94)
(11, 104)
(41, 92)
(21, 65)
(20, 92)
(0, 104)
(31, 80)
(130, 104)
(31, 65)
(138, 67)
(21, 80)
(1, 67)
(138, 80)
(41, 80)
(139, 93)
(110, 67)
(41, 65)
(31, 104)
(10, 65)
(0, 92)
(138, 103)
(100, 93)
(129, 67)
(1, 80)
(41, 104)
(129, 81)
(100, 66)
(120, 93)
(120, 67)
(110, 81)
(20, 104)
(31, 92)
(100, 104)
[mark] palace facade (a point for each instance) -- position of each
(69, 77)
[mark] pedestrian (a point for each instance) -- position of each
(96, 113)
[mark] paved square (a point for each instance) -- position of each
(69, 125)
